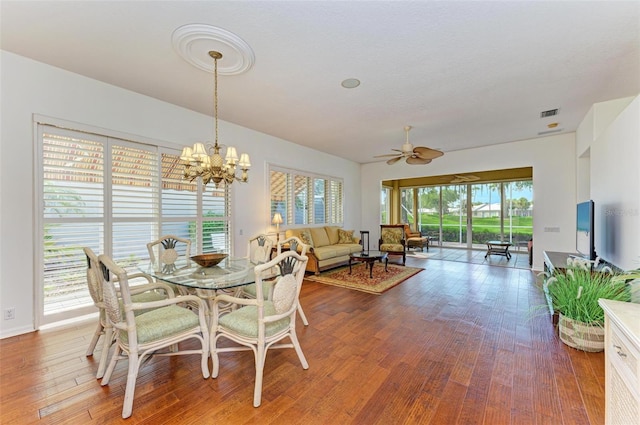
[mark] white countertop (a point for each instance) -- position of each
(626, 315)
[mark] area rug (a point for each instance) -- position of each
(359, 280)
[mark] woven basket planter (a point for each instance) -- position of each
(580, 335)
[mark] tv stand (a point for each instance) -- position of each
(555, 262)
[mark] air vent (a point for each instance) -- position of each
(555, 130)
(549, 113)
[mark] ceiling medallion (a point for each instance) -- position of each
(194, 42)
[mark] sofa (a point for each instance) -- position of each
(329, 246)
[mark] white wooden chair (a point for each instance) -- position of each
(139, 293)
(292, 244)
(259, 249)
(260, 324)
(166, 252)
(163, 325)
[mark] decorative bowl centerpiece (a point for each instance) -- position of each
(208, 260)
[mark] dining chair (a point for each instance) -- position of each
(260, 324)
(140, 293)
(292, 243)
(259, 249)
(163, 325)
(165, 253)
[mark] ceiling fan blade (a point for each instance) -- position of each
(386, 155)
(415, 160)
(427, 153)
(394, 160)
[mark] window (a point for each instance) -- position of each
(303, 198)
(385, 205)
(114, 196)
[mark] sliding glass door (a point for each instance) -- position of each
(470, 214)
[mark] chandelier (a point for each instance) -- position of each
(205, 161)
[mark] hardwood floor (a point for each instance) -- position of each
(455, 344)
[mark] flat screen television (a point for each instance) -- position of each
(585, 243)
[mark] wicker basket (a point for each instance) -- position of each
(580, 335)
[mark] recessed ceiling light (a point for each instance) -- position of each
(350, 83)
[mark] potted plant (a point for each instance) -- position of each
(574, 294)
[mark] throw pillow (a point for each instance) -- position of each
(345, 236)
(305, 237)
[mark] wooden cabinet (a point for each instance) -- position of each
(622, 362)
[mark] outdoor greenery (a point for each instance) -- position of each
(517, 222)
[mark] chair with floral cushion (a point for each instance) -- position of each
(260, 324)
(392, 240)
(155, 332)
(291, 244)
(139, 293)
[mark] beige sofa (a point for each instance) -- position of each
(326, 249)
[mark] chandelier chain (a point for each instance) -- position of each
(215, 96)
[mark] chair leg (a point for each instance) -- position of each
(302, 316)
(112, 366)
(132, 374)
(296, 345)
(94, 341)
(261, 354)
(104, 356)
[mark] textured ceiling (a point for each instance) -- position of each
(462, 74)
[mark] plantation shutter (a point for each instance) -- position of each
(303, 198)
(134, 197)
(73, 211)
(336, 204)
(113, 196)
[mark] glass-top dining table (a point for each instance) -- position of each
(227, 277)
(232, 272)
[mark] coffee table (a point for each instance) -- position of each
(369, 257)
(498, 248)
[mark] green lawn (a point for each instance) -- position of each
(484, 228)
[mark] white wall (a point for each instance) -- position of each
(614, 178)
(30, 87)
(553, 162)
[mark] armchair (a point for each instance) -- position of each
(259, 324)
(162, 326)
(166, 251)
(415, 239)
(139, 293)
(392, 240)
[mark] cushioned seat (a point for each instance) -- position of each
(392, 240)
(262, 323)
(418, 242)
(329, 246)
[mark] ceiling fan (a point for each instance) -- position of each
(457, 178)
(417, 155)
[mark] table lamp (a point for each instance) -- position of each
(277, 220)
